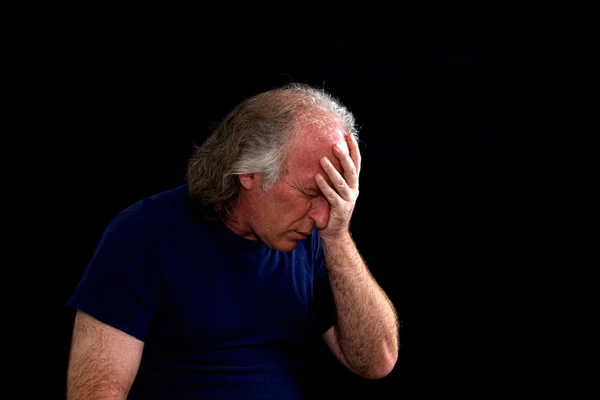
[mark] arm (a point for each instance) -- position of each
(103, 361)
(365, 338)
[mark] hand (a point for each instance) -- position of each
(342, 196)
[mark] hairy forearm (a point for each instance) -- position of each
(97, 388)
(103, 361)
(96, 393)
(367, 324)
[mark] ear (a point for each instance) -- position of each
(247, 181)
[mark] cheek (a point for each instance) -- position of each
(307, 205)
(303, 207)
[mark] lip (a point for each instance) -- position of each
(301, 235)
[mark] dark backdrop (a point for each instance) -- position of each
(435, 104)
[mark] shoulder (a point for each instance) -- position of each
(141, 216)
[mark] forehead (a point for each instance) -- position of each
(305, 155)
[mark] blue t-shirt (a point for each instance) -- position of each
(222, 317)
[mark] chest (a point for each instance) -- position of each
(221, 298)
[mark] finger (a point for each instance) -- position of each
(350, 170)
(330, 194)
(337, 181)
(354, 152)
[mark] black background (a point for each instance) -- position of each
(441, 178)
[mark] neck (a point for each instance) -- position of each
(238, 225)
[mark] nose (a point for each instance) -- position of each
(319, 212)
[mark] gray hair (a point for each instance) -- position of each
(254, 138)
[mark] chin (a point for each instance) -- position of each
(286, 246)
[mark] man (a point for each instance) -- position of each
(213, 289)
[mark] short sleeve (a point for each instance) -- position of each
(120, 284)
(324, 305)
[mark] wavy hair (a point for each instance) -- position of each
(254, 138)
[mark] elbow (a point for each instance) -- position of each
(387, 366)
(383, 368)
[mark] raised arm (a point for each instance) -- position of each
(365, 337)
(103, 361)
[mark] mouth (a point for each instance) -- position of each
(302, 235)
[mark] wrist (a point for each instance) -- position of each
(341, 238)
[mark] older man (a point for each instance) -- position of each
(214, 288)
